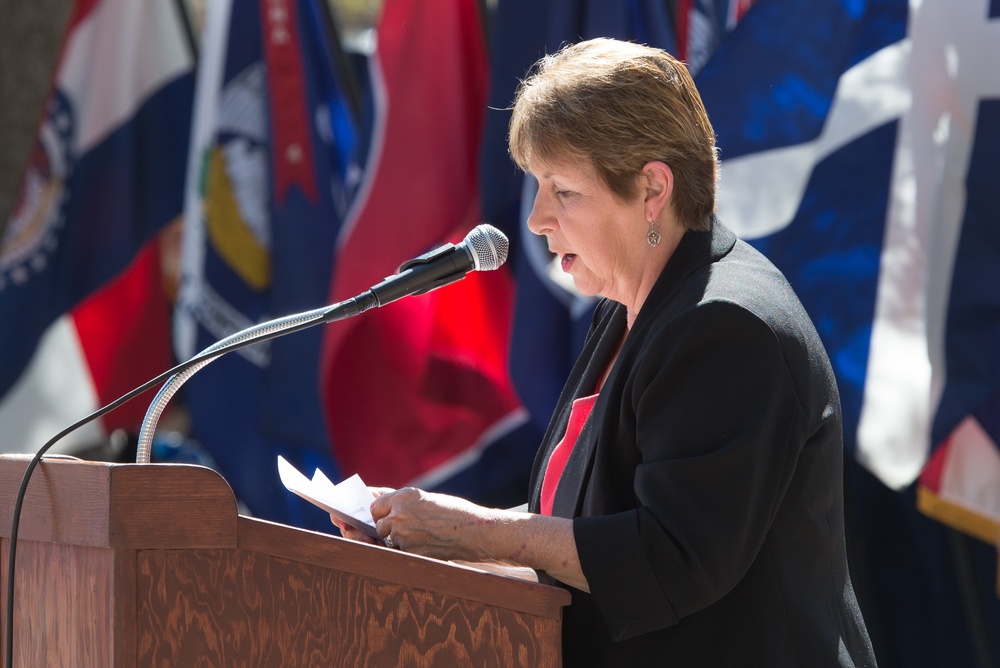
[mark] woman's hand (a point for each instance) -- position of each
(447, 527)
(349, 532)
(434, 525)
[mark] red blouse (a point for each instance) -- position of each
(560, 454)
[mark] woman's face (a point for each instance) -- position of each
(597, 237)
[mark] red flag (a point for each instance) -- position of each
(124, 333)
(416, 386)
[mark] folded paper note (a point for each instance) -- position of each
(348, 501)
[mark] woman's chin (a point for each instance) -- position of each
(583, 288)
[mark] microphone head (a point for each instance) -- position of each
(487, 246)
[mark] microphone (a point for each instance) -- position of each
(483, 249)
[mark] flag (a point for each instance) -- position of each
(550, 317)
(857, 144)
(84, 311)
(960, 484)
(867, 181)
(807, 148)
(702, 25)
(417, 391)
(268, 182)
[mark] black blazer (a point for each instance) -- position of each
(706, 486)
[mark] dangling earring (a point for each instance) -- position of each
(653, 236)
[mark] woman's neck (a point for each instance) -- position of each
(656, 262)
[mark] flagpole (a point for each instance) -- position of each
(185, 18)
(339, 59)
(969, 589)
(486, 8)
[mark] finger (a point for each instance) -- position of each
(353, 534)
(350, 533)
(382, 528)
(377, 507)
(382, 505)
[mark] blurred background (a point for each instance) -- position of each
(174, 171)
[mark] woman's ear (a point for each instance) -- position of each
(659, 187)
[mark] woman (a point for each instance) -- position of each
(688, 491)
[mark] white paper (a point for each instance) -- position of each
(349, 501)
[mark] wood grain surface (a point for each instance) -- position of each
(233, 608)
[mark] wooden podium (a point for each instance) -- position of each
(151, 565)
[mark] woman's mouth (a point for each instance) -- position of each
(567, 261)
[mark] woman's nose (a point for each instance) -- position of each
(539, 220)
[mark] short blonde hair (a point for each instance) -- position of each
(619, 105)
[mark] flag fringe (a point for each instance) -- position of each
(958, 516)
(961, 518)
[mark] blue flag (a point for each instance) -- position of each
(852, 164)
(267, 186)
